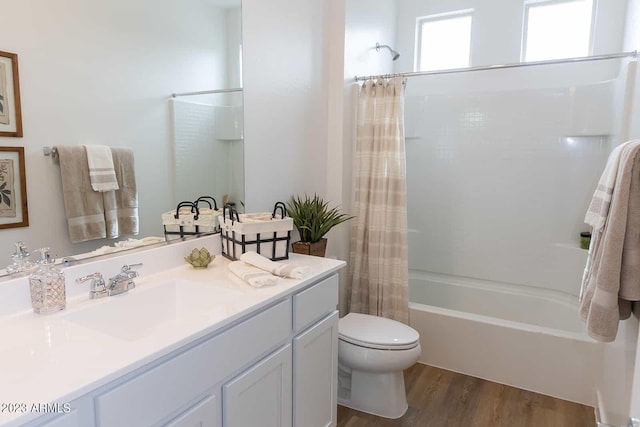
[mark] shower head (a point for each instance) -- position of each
(394, 53)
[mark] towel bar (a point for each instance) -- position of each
(50, 151)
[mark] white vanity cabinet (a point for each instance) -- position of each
(261, 396)
(202, 414)
(315, 355)
(275, 367)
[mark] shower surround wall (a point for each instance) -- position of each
(202, 166)
(498, 181)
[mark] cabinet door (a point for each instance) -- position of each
(68, 420)
(79, 415)
(261, 396)
(202, 414)
(315, 373)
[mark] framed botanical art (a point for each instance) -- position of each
(10, 111)
(13, 188)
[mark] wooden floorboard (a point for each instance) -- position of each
(440, 398)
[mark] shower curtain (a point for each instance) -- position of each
(378, 260)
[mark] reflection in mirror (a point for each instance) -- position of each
(103, 73)
(206, 128)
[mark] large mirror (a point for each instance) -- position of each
(104, 73)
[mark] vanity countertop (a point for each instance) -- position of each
(60, 357)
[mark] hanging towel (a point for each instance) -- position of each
(599, 207)
(84, 207)
(613, 280)
(277, 268)
(121, 206)
(101, 170)
(252, 275)
(598, 210)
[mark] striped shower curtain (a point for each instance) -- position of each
(378, 261)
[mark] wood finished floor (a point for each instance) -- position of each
(439, 398)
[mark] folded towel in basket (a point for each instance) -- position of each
(281, 269)
(252, 275)
(101, 170)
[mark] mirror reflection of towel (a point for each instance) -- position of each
(121, 206)
(83, 206)
(95, 215)
(101, 169)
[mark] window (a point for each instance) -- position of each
(443, 41)
(556, 29)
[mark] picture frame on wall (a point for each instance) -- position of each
(10, 108)
(13, 188)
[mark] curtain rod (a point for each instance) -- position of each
(633, 54)
(205, 92)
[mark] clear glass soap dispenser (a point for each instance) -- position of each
(47, 285)
(21, 265)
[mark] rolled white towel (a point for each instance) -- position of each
(277, 268)
(252, 275)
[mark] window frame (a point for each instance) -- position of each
(525, 24)
(440, 17)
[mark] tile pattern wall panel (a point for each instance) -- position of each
(201, 166)
(499, 181)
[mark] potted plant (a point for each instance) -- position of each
(313, 219)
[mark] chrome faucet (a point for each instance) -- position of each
(120, 283)
(98, 288)
(123, 281)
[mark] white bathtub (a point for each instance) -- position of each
(525, 337)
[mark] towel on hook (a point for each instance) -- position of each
(614, 278)
(101, 170)
(252, 275)
(84, 207)
(121, 206)
(281, 269)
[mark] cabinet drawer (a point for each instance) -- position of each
(163, 390)
(315, 302)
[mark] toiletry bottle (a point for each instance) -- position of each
(47, 286)
(21, 264)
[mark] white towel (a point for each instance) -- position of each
(101, 170)
(252, 275)
(277, 268)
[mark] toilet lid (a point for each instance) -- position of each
(376, 332)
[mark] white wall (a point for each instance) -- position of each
(101, 73)
(285, 97)
(497, 28)
(632, 42)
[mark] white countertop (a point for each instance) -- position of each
(58, 357)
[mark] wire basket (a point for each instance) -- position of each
(267, 233)
(188, 219)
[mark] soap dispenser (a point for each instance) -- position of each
(47, 285)
(21, 258)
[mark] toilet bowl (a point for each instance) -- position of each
(372, 353)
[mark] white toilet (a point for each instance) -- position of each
(372, 353)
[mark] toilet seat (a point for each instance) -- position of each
(376, 332)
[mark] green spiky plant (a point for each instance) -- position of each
(313, 218)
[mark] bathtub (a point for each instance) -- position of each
(521, 336)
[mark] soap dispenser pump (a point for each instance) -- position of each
(47, 285)
(21, 258)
